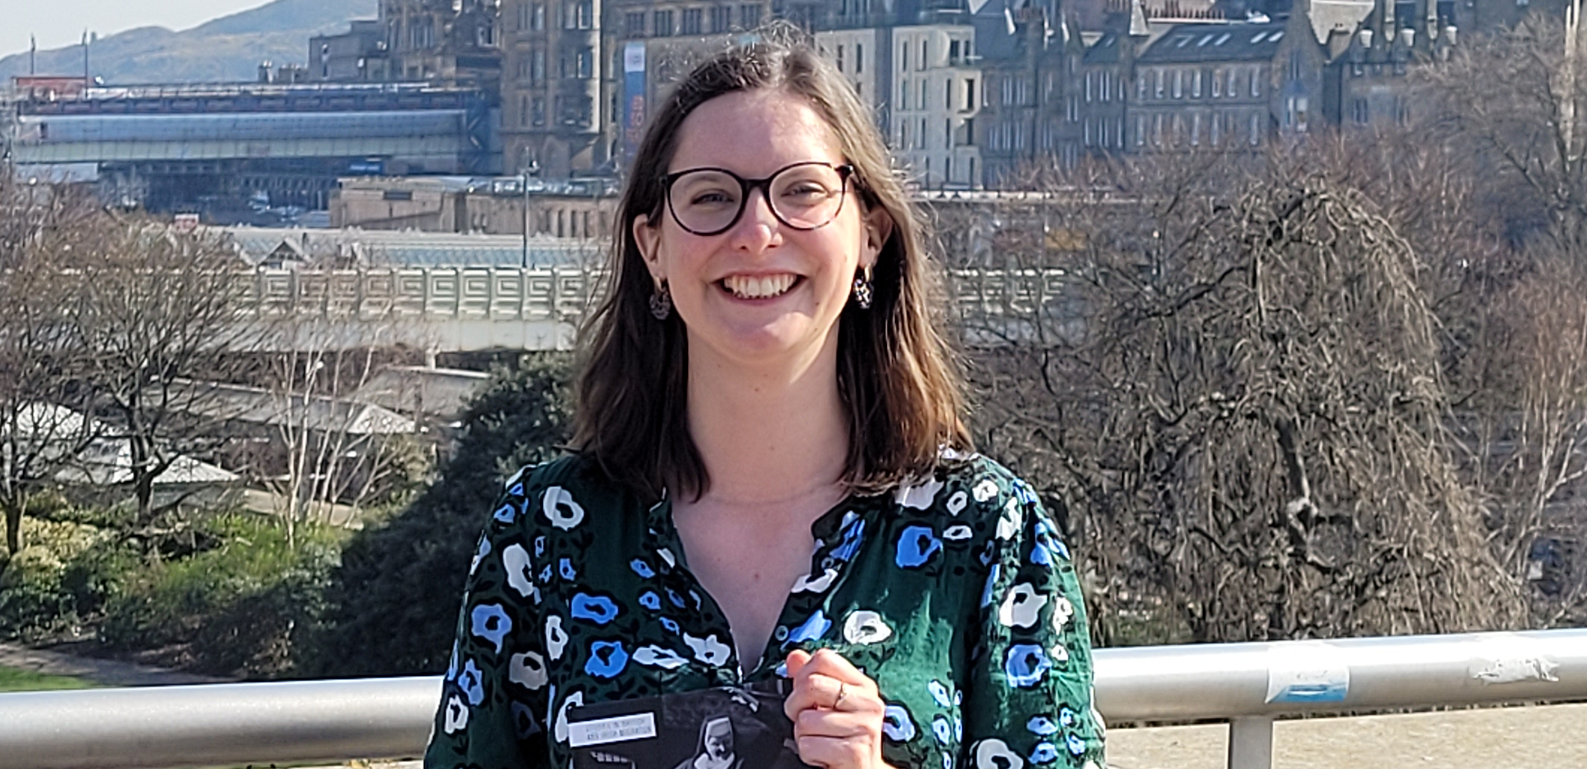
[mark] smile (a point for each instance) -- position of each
(758, 287)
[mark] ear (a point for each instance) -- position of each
(878, 228)
(648, 238)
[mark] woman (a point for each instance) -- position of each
(764, 380)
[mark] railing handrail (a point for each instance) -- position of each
(336, 720)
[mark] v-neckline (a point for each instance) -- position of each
(825, 531)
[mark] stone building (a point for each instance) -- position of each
(445, 42)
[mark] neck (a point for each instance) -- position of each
(768, 434)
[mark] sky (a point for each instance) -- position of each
(61, 22)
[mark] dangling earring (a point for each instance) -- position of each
(661, 301)
(862, 289)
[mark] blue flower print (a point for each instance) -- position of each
(595, 608)
(916, 546)
(650, 600)
(677, 600)
(490, 622)
(1046, 544)
(506, 513)
(671, 626)
(523, 720)
(641, 568)
(1023, 492)
(942, 729)
(472, 683)
(1076, 745)
(479, 554)
(1044, 753)
(545, 574)
(939, 693)
(897, 725)
(991, 583)
(565, 567)
(451, 665)
(1025, 665)
(1041, 725)
(540, 547)
(853, 537)
(814, 627)
(607, 659)
(1066, 716)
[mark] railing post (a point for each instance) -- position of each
(1251, 742)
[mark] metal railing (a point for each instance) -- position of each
(1247, 684)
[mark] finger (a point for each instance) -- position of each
(832, 665)
(795, 661)
(817, 691)
(834, 752)
(863, 724)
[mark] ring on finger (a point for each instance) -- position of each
(842, 692)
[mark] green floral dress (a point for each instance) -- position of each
(955, 595)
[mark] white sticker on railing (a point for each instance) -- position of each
(1505, 658)
(1307, 672)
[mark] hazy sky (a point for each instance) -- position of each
(61, 22)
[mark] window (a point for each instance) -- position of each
(749, 15)
(537, 65)
(1195, 130)
(922, 63)
(1217, 83)
(1230, 90)
(1195, 84)
(922, 104)
(1140, 87)
(1213, 126)
(1088, 87)
(1360, 112)
(522, 67)
(721, 18)
(538, 112)
(1179, 84)
(947, 134)
(969, 94)
(1074, 108)
(1256, 81)
(947, 94)
(903, 58)
(1140, 131)
(538, 22)
(570, 16)
(1023, 94)
(1008, 89)
(920, 140)
(523, 17)
(586, 14)
(1087, 133)
(662, 24)
(1157, 89)
(586, 63)
(903, 95)
(1107, 78)
(1256, 136)
(693, 21)
(840, 58)
(634, 24)
(523, 111)
(859, 59)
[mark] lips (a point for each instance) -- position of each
(759, 286)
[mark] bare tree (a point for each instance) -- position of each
(1246, 434)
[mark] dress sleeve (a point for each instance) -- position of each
(1030, 698)
(493, 700)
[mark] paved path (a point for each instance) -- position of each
(1553, 737)
(100, 671)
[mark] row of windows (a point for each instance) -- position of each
(1164, 83)
(530, 65)
(958, 51)
(922, 90)
(911, 134)
(572, 111)
(1216, 130)
(693, 21)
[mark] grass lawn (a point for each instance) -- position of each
(14, 680)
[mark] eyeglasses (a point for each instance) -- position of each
(803, 196)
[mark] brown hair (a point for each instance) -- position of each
(902, 394)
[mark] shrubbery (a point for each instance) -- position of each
(392, 604)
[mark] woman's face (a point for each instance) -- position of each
(761, 290)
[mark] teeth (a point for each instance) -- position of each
(749, 287)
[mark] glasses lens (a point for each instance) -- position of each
(705, 200)
(807, 196)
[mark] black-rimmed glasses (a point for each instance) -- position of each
(803, 196)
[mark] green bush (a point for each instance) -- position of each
(33, 602)
(392, 605)
(235, 609)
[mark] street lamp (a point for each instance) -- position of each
(523, 175)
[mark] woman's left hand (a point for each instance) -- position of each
(836, 710)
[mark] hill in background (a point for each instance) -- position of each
(227, 49)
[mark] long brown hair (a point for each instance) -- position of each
(902, 394)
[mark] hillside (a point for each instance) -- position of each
(224, 49)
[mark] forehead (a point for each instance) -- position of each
(754, 133)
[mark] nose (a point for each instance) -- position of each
(756, 228)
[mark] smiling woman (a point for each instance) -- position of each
(772, 481)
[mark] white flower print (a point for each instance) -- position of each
(985, 490)
(1021, 607)
(866, 627)
(1062, 610)
(528, 670)
(993, 753)
(560, 509)
(657, 657)
(456, 715)
(957, 502)
(708, 649)
(520, 572)
(807, 585)
(1058, 653)
(957, 532)
(556, 637)
(1008, 525)
(919, 496)
(573, 700)
(666, 555)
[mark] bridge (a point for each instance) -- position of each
(461, 309)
